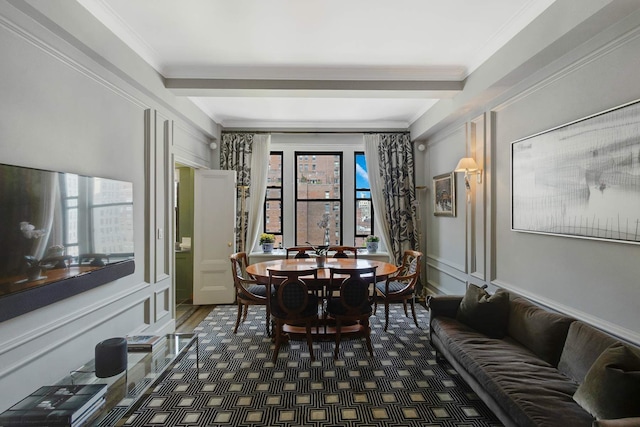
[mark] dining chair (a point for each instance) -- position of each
(344, 251)
(291, 303)
(354, 302)
(299, 251)
(400, 286)
(54, 262)
(248, 291)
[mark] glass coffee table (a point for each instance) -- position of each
(126, 391)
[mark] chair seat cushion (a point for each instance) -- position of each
(394, 287)
(258, 290)
(335, 307)
(309, 310)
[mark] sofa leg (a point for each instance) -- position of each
(439, 358)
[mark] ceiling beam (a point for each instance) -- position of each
(315, 88)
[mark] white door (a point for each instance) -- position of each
(213, 236)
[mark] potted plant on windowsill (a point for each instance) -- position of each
(372, 243)
(267, 240)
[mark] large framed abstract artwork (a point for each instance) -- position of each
(581, 179)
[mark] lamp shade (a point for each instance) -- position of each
(466, 164)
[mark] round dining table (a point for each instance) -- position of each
(260, 271)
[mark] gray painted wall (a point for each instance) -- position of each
(592, 280)
(67, 107)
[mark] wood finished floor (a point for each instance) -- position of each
(187, 324)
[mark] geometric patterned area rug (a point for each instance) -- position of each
(402, 385)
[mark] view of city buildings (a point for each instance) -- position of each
(318, 192)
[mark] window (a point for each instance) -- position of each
(69, 189)
(318, 192)
(273, 200)
(364, 205)
(298, 198)
(108, 214)
(111, 202)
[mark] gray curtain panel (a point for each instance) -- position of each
(235, 154)
(397, 170)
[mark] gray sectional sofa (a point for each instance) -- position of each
(530, 365)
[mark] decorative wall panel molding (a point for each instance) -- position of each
(437, 262)
(162, 300)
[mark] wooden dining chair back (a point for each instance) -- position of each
(344, 251)
(400, 287)
(248, 291)
(354, 301)
(93, 259)
(299, 252)
(291, 303)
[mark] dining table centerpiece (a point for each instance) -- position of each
(321, 254)
(322, 250)
(32, 263)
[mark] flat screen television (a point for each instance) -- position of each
(60, 234)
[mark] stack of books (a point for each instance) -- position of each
(57, 405)
(144, 342)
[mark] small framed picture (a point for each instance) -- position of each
(444, 195)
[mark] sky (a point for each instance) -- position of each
(362, 179)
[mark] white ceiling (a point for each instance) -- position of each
(315, 64)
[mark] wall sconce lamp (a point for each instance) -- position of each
(469, 167)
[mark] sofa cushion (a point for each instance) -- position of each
(539, 330)
(583, 346)
(483, 312)
(611, 388)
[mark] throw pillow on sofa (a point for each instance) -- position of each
(483, 312)
(541, 331)
(612, 385)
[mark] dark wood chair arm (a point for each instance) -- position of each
(246, 282)
(411, 278)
